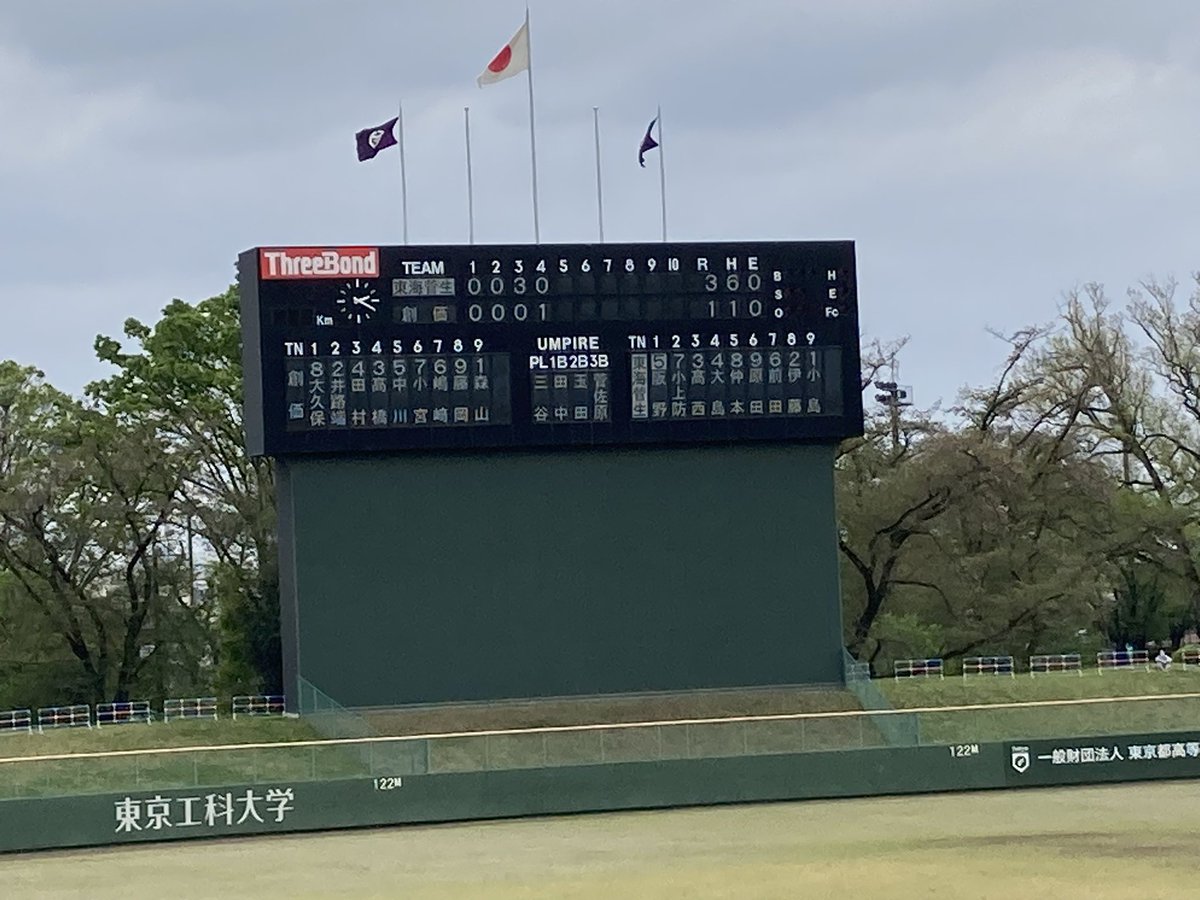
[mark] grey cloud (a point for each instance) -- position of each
(985, 155)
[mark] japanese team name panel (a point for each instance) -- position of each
(389, 348)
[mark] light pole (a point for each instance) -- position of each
(894, 396)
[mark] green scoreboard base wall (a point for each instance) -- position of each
(174, 814)
(466, 576)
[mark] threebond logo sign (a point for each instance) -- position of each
(316, 262)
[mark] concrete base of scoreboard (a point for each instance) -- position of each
(179, 814)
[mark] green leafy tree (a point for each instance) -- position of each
(989, 537)
(36, 666)
(889, 501)
(85, 507)
(183, 378)
(1123, 387)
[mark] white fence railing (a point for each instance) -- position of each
(190, 708)
(917, 668)
(123, 713)
(989, 665)
(1122, 660)
(1055, 663)
(77, 716)
(257, 705)
(13, 720)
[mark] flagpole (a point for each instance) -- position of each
(470, 186)
(599, 191)
(403, 174)
(662, 177)
(532, 141)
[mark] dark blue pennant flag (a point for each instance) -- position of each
(371, 140)
(648, 143)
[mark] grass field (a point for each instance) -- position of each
(1047, 721)
(1101, 843)
(148, 737)
(589, 710)
(956, 690)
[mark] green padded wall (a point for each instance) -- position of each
(37, 822)
(451, 577)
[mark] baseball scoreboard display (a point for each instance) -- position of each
(364, 349)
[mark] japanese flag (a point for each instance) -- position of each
(512, 58)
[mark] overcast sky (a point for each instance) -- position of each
(985, 155)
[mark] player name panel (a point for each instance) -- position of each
(789, 381)
(360, 349)
(401, 391)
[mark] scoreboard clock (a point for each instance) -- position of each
(370, 349)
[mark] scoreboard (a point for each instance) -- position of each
(364, 349)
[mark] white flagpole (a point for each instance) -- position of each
(532, 141)
(470, 186)
(662, 177)
(599, 191)
(403, 174)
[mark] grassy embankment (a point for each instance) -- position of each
(1094, 716)
(152, 771)
(78, 773)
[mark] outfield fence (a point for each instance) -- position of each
(988, 665)
(328, 717)
(71, 774)
(190, 708)
(80, 715)
(16, 720)
(1055, 664)
(898, 731)
(132, 711)
(257, 705)
(1127, 660)
(76, 716)
(1040, 664)
(917, 668)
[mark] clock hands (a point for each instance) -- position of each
(358, 307)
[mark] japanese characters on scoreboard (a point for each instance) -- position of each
(351, 349)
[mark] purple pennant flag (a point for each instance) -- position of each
(371, 140)
(648, 143)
